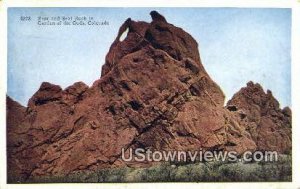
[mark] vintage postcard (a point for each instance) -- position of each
(149, 95)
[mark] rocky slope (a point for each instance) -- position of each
(153, 93)
(269, 126)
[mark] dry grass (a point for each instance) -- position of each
(196, 172)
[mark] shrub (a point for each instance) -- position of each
(196, 172)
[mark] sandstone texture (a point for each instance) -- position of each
(269, 126)
(153, 93)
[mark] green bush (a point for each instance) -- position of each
(190, 172)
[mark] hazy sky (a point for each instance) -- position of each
(236, 45)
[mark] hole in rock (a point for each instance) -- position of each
(242, 115)
(111, 109)
(124, 35)
(189, 65)
(135, 60)
(135, 105)
(230, 144)
(125, 85)
(232, 108)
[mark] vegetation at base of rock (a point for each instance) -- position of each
(196, 172)
(153, 93)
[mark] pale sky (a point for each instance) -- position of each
(236, 45)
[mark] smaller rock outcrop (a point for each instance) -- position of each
(47, 93)
(74, 93)
(269, 126)
(156, 17)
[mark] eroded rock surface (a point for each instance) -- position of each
(153, 93)
(269, 126)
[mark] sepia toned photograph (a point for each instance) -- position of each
(148, 95)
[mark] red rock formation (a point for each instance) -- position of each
(269, 126)
(153, 93)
